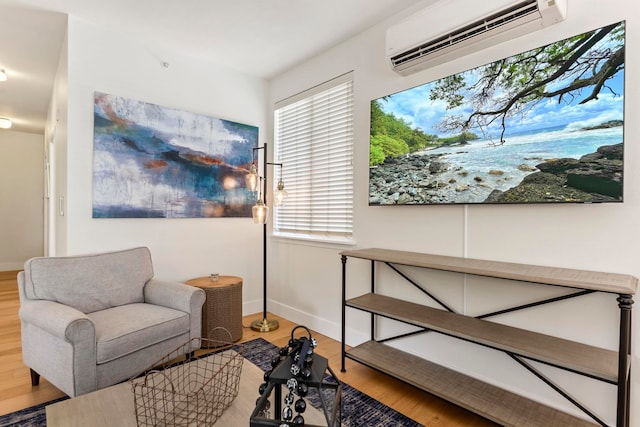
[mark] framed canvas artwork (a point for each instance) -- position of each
(152, 161)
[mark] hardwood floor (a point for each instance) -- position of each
(17, 393)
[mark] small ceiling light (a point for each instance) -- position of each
(3, 75)
(5, 123)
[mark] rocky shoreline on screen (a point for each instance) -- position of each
(430, 179)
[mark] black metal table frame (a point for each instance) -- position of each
(279, 377)
(625, 302)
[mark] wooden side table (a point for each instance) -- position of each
(222, 307)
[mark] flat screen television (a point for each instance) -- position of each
(542, 126)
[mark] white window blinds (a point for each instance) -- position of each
(314, 141)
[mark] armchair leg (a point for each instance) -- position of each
(35, 378)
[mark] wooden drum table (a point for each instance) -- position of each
(222, 308)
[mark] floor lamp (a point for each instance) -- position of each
(260, 213)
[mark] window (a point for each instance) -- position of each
(314, 141)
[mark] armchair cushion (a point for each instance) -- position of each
(91, 282)
(129, 328)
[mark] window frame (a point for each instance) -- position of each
(343, 176)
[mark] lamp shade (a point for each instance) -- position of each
(3, 75)
(5, 123)
(252, 179)
(279, 194)
(260, 212)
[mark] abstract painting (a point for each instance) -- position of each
(151, 161)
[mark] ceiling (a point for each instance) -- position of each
(258, 37)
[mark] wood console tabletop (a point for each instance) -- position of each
(570, 277)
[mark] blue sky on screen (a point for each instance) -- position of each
(415, 107)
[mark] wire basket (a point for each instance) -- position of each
(193, 392)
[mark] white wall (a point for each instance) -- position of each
(21, 194)
(305, 277)
(55, 147)
(108, 62)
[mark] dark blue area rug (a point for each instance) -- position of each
(358, 409)
(30, 417)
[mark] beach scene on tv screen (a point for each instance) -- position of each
(542, 126)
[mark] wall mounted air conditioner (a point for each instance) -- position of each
(450, 29)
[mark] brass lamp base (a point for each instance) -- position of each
(265, 325)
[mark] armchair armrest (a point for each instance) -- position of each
(57, 319)
(180, 297)
(174, 295)
(59, 343)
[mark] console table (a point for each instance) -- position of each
(494, 403)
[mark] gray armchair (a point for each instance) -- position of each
(92, 321)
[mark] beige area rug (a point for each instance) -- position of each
(114, 406)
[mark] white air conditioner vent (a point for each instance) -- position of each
(431, 48)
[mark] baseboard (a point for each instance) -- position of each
(251, 307)
(321, 325)
(11, 266)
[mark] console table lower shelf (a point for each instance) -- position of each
(489, 401)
